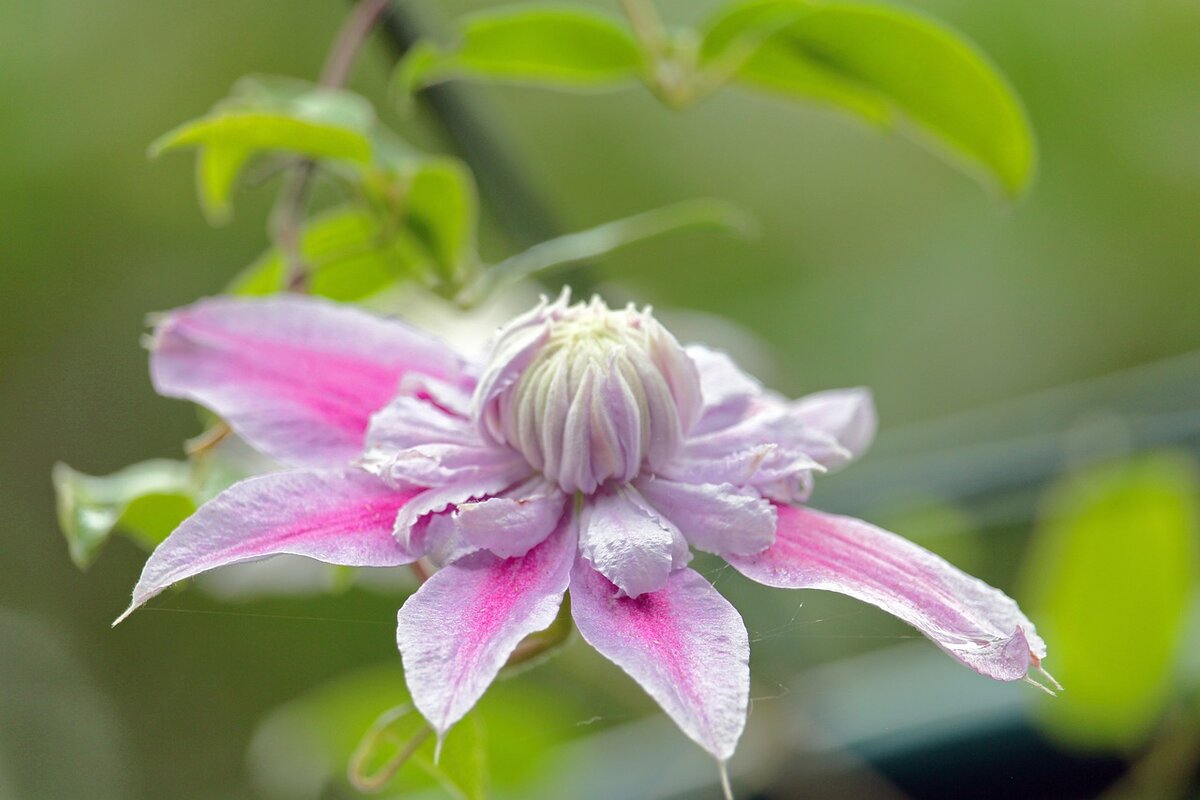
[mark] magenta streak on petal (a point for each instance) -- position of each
(685, 645)
(337, 516)
(457, 631)
(375, 517)
(973, 622)
(342, 389)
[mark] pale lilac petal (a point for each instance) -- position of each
(728, 393)
(461, 626)
(438, 464)
(509, 526)
(417, 441)
(411, 534)
(632, 545)
(973, 622)
(720, 518)
(340, 517)
(685, 644)
(409, 421)
(515, 346)
(298, 378)
(846, 415)
(768, 449)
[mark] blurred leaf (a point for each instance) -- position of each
(352, 255)
(560, 46)
(146, 501)
(217, 170)
(266, 114)
(303, 747)
(254, 131)
(1111, 575)
(881, 63)
(395, 739)
(442, 212)
(306, 745)
(606, 238)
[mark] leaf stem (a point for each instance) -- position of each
(381, 729)
(647, 25)
(604, 239)
(287, 218)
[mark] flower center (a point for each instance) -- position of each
(588, 394)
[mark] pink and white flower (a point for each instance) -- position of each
(589, 452)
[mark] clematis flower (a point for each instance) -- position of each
(587, 452)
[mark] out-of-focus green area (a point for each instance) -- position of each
(877, 265)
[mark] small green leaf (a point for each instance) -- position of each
(559, 46)
(266, 114)
(217, 170)
(1112, 573)
(884, 64)
(272, 131)
(352, 256)
(442, 211)
(145, 501)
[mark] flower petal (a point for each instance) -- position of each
(460, 627)
(297, 378)
(510, 526)
(685, 644)
(846, 415)
(428, 502)
(720, 518)
(978, 625)
(624, 538)
(340, 517)
(727, 391)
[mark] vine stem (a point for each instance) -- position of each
(287, 218)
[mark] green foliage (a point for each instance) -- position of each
(442, 212)
(266, 115)
(561, 46)
(145, 501)
(351, 255)
(1113, 571)
(416, 222)
(884, 64)
(881, 63)
(398, 737)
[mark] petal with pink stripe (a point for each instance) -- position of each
(460, 627)
(978, 625)
(685, 644)
(339, 517)
(298, 378)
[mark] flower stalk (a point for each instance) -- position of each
(287, 218)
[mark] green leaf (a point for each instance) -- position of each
(145, 501)
(273, 131)
(351, 253)
(884, 64)
(606, 238)
(217, 171)
(1112, 573)
(442, 212)
(266, 114)
(559, 46)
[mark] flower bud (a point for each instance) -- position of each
(588, 394)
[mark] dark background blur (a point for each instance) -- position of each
(877, 265)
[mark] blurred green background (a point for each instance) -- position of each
(983, 328)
